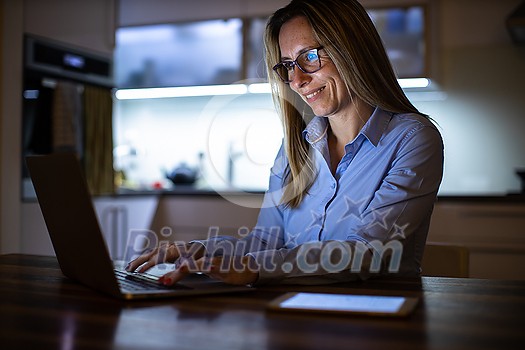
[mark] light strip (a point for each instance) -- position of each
(182, 91)
(232, 89)
(413, 83)
(259, 88)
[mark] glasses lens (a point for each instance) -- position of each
(309, 61)
(283, 69)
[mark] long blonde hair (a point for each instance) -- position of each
(350, 39)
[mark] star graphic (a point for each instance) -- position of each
(379, 217)
(317, 220)
(291, 239)
(351, 206)
(399, 231)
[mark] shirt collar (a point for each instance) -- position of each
(373, 129)
(316, 130)
(375, 126)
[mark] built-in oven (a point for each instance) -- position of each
(55, 79)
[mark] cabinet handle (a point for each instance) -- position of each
(116, 222)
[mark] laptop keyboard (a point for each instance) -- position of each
(136, 283)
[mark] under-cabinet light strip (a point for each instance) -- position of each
(232, 89)
(181, 91)
(414, 83)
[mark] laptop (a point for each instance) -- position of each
(79, 244)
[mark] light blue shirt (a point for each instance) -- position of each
(371, 217)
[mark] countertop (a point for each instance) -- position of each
(191, 191)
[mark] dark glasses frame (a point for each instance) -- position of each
(289, 65)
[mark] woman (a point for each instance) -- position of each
(352, 189)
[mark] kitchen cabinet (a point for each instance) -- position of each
(168, 217)
(86, 24)
(188, 217)
(493, 232)
(223, 51)
(34, 238)
(150, 36)
(119, 217)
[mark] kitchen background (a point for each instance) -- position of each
(476, 98)
(473, 98)
(230, 141)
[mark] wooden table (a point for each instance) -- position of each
(41, 309)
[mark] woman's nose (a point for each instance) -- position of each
(299, 78)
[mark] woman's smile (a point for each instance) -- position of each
(311, 95)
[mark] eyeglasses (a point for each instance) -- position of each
(308, 62)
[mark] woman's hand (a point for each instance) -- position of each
(165, 253)
(239, 270)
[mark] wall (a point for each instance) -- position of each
(10, 117)
(482, 73)
(138, 12)
(87, 24)
(491, 231)
(1, 93)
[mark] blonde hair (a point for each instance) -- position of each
(350, 39)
